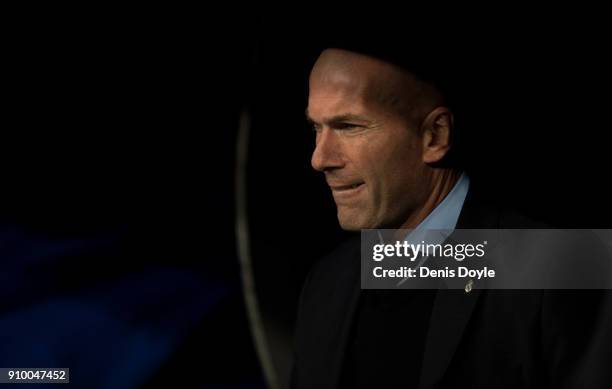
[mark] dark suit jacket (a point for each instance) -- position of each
(481, 339)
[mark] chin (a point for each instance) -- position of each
(350, 226)
(353, 222)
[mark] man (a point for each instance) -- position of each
(383, 137)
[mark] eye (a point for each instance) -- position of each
(347, 126)
(315, 127)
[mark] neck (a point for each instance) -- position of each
(442, 182)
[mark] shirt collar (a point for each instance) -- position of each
(443, 217)
(446, 214)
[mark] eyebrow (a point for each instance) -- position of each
(342, 118)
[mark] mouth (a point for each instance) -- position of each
(346, 189)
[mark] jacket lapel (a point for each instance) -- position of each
(344, 302)
(453, 308)
(343, 335)
(451, 312)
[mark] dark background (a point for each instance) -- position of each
(118, 185)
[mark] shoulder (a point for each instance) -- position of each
(342, 257)
(332, 277)
(484, 209)
(334, 270)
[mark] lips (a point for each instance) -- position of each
(345, 187)
(344, 192)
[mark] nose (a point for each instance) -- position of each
(327, 154)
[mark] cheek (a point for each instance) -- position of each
(386, 159)
(397, 157)
(395, 172)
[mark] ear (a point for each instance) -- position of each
(436, 129)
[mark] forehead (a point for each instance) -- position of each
(342, 80)
(326, 100)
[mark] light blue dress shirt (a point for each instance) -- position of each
(446, 214)
(441, 222)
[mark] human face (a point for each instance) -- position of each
(370, 153)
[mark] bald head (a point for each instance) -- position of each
(375, 82)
